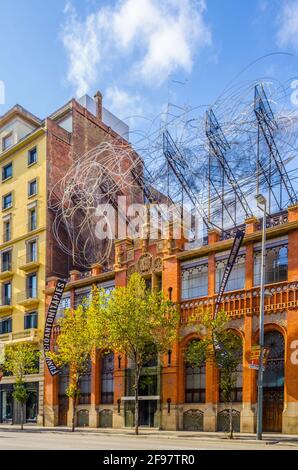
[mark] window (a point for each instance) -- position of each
(194, 282)
(64, 304)
(30, 320)
(5, 325)
(6, 261)
(7, 142)
(85, 386)
(7, 201)
(32, 156)
(107, 378)
(32, 216)
(6, 293)
(32, 251)
(236, 394)
(82, 297)
(6, 171)
(237, 275)
(32, 188)
(276, 265)
(195, 383)
(32, 286)
(6, 230)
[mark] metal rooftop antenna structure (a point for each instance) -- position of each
(271, 168)
(220, 174)
(178, 166)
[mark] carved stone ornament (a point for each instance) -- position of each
(130, 270)
(145, 264)
(157, 265)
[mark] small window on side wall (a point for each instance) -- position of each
(30, 320)
(7, 201)
(32, 156)
(7, 171)
(7, 142)
(32, 188)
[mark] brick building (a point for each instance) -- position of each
(34, 155)
(178, 396)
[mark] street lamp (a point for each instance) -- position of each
(261, 202)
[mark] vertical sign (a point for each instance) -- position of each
(51, 315)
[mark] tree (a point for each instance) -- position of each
(139, 323)
(222, 346)
(75, 343)
(21, 360)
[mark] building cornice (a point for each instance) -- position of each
(22, 143)
(223, 245)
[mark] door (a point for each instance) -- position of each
(272, 409)
(62, 410)
(273, 395)
(6, 404)
(31, 406)
(147, 409)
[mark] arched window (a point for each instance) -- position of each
(85, 386)
(107, 378)
(237, 392)
(273, 382)
(274, 371)
(195, 383)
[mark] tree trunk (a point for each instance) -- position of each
(137, 374)
(22, 416)
(73, 421)
(231, 420)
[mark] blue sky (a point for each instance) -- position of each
(135, 51)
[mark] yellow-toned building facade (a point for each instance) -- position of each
(34, 155)
(22, 248)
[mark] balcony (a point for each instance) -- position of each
(6, 274)
(19, 336)
(279, 297)
(28, 263)
(28, 298)
(5, 305)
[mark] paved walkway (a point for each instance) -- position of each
(155, 435)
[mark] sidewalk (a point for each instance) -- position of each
(268, 438)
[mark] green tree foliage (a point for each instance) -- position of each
(221, 345)
(139, 323)
(21, 359)
(76, 341)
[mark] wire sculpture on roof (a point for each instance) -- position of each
(213, 159)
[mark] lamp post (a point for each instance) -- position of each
(262, 203)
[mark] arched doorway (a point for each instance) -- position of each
(273, 383)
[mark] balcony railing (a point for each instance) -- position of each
(28, 261)
(28, 296)
(279, 297)
(5, 301)
(18, 336)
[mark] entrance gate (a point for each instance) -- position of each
(273, 397)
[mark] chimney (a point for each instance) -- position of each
(98, 101)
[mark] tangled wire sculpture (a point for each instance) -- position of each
(94, 181)
(115, 168)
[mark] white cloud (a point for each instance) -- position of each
(287, 34)
(153, 38)
(123, 104)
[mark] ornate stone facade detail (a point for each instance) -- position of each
(237, 323)
(157, 265)
(278, 318)
(145, 264)
(130, 270)
(130, 255)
